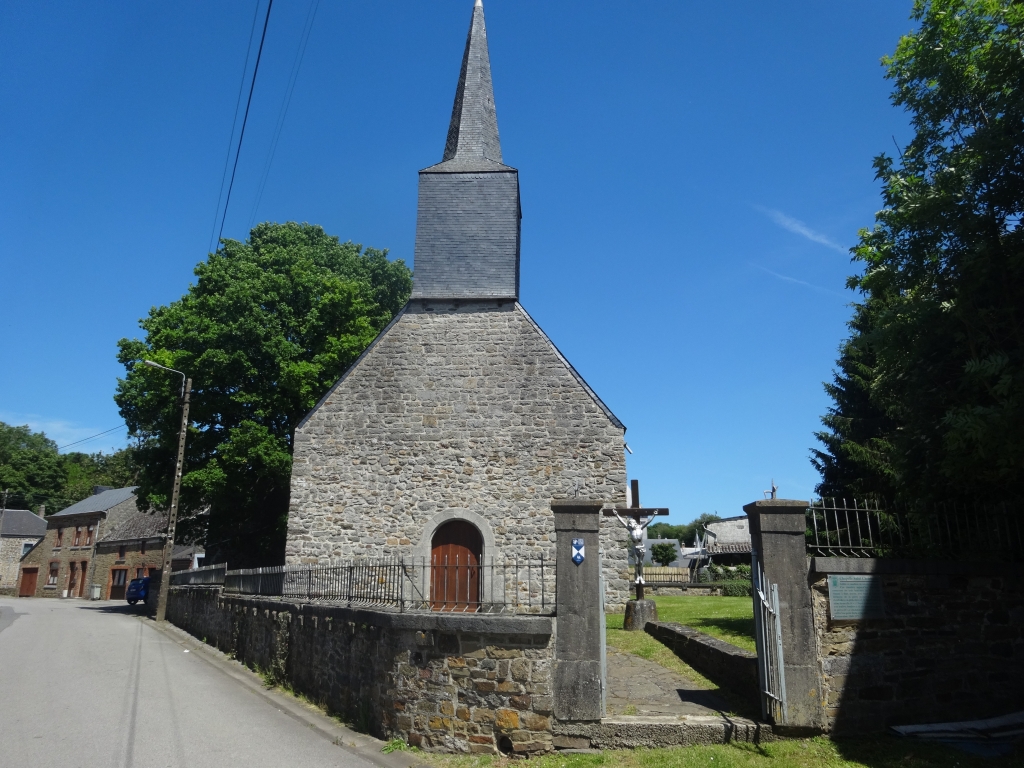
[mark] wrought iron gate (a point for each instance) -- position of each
(768, 631)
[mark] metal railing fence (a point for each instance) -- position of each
(842, 528)
(407, 584)
(207, 575)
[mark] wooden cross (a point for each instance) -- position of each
(636, 528)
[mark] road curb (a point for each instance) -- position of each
(366, 747)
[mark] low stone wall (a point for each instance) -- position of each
(696, 589)
(443, 682)
(730, 667)
(951, 645)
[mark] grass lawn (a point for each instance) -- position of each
(728, 618)
(876, 752)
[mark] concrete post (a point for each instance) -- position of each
(579, 611)
(777, 536)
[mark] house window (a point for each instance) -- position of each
(121, 552)
(26, 548)
(51, 580)
(88, 535)
(60, 538)
(139, 572)
(78, 535)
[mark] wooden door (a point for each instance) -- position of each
(73, 579)
(29, 579)
(455, 567)
(118, 577)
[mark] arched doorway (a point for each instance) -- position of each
(455, 553)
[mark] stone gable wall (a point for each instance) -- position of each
(457, 411)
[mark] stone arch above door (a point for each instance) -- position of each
(422, 547)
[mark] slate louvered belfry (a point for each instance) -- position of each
(467, 224)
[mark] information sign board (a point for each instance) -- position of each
(855, 597)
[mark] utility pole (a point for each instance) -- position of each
(172, 516)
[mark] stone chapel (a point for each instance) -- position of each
(462, 421)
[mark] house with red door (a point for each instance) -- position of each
(88, 545)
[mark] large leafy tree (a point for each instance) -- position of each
(269, 325)
(929, 396)
(31, 470)
(34, 474)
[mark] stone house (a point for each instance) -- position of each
(450, 435)
(187, 557)
(89, 543)
(128, 548)
(20, 530)
(727, 542)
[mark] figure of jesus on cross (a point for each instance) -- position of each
(635, 522)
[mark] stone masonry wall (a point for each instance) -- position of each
(46, 552)
(458, 411)
(950, 648)
(108, 557)
(443, 682)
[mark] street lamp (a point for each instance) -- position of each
(172, 517)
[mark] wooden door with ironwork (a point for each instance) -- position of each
(455, 555)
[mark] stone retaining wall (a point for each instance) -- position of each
(443, 682)
(951, 645)
(726, 665)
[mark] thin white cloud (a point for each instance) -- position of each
(794, 280)
(797, 227)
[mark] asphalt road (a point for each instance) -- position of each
(91, 684)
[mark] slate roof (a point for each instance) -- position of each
(99, 502)
(137, 525)
(468, 211)
(472, 143)
(22, 523)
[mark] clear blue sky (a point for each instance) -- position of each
(692, 176)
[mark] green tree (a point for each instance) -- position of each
(30, 468)
(663, 554)
(269, 325)
(34, 473)
(929, 396)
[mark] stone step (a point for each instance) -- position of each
(629, 732)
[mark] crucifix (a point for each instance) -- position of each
(636, 520)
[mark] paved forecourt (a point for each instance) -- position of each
(93, 684)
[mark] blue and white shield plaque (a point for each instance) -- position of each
(577, 551)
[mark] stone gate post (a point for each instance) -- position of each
(579, 610)
(777, 537)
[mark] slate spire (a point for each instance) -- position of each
(473, 132)
(467, 220)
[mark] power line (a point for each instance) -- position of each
(87, 439)
(234, 121)
(245, 119)
(300, 54)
